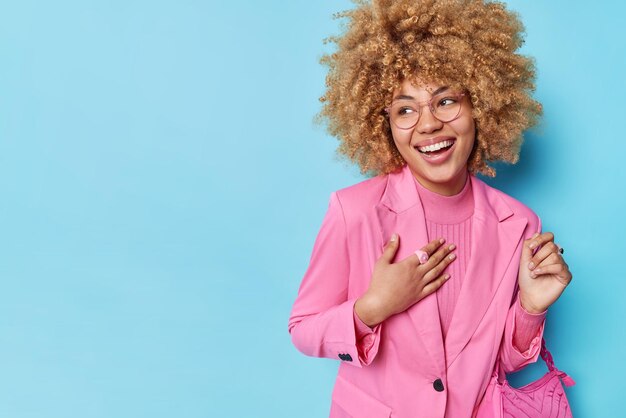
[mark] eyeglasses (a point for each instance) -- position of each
(405, 113)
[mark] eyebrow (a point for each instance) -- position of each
(406, 97)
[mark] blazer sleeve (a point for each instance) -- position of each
(511, 358)
(322, 321)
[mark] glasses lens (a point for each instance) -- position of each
(446, 106)
(405, 113)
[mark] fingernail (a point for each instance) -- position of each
(452, 256)
(393, 237)
(535, 235)
(452, 247)
(532, 245)
(447, 276)
(531, 265)
(442, 240)
(537, 271)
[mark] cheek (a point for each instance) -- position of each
(468, 126)
(400, 138)
(467, 129)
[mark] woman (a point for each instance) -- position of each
(422, 277)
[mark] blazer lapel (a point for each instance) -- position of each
(495, 238)
(401, 211)
(493, 243)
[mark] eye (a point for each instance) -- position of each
(446, 101)
(404, 110)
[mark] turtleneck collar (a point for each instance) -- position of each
(447, 209)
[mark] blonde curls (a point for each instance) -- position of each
(470, 44)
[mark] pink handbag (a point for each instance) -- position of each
(543, 398)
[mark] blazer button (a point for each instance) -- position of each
(345, 357)
(438, 385)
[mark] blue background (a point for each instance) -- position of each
(162, 183)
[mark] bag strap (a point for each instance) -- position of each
(547, 358)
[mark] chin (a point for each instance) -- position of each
(442, 175)
(438, 174)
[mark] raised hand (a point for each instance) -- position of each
(544, 275)
(394, 287)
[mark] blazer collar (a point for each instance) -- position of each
(401, 194)
(494, 240)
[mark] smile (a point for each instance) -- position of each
(436, 150)
(435, 147)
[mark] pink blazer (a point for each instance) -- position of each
(403, 369)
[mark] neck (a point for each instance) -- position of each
(450, 188)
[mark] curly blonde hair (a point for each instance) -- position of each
(466, 44)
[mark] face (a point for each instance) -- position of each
(435, 151)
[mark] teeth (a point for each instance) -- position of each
(435, 147)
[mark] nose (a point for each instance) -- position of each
(427, 122)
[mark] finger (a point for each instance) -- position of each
(543, 253)
(440, 255)
(422, 256)
(527, 252)
(434, 285)
(428, 249)
(432, 246)
(445, 261)
(561, 271)
(389, 252)
(553, 258)
(541, 239)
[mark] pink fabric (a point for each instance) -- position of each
(365, 337)
(409, 370)
(450, 217)
(526, 326)
(448, 293)
(447, 210)
(543, 398)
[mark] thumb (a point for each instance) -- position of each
(389, 252)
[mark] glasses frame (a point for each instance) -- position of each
(429, 102)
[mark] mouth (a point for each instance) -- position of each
(437, 148)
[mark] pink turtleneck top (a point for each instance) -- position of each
(450, 217)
